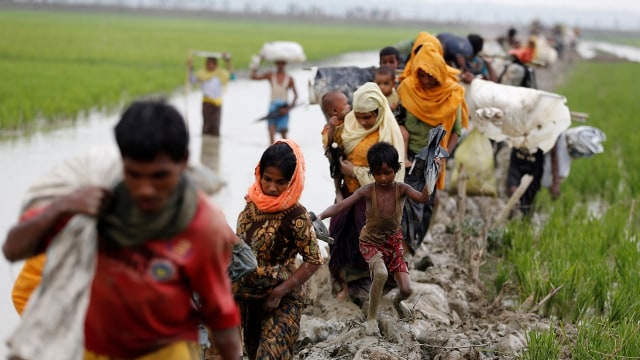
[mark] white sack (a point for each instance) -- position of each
(288, 51)
(523, 117)
(52, 325)
(545, 52)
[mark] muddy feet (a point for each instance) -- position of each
(371, 327)
(403, 310)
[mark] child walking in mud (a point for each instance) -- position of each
(381, 237)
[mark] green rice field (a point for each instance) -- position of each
(590, 243)
(57, 64)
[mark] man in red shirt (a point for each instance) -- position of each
(159, 242)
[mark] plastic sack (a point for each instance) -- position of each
(345, 79)
(584, 141)
(243, 261)
(525, 118)
(454, 45)
(288, 51)
(475, 153)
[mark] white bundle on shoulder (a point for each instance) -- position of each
(289, 51)
(52, 325)
(525, 118)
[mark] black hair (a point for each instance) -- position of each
(149, 128)
(281, 156)
(476, 43)
(512, 32)
(390, 50)
(382, 153)
(327, 101)
(386, 70)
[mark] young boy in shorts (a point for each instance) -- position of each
(381, 237)
(385, 78)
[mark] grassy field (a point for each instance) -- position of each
(590, 244)
(56, 64)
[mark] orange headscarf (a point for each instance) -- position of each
(287, 198)
(439, 105)
(422, 38)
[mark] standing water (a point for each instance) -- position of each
(243, 139)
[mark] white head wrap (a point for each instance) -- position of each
(369, 98)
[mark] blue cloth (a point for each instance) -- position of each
(281, 122)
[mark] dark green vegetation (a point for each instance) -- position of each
(56, 64)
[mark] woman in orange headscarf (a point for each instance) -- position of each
(431, 97)
(278, 228)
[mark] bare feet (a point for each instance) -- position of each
(403, 310)
(371, 327)
(343, 293)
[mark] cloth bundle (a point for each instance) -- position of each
(288, 51)
(524, 118)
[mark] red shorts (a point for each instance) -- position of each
(391, 252)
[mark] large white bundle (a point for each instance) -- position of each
(523, 117)
(288, 51)
(545, 52)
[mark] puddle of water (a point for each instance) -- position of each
(588, 49)
(242, 142)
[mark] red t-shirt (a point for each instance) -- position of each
(141, 297)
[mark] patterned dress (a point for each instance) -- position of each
(276, 239)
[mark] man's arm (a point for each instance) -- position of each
(25, 239)
(292, 86)
(228, 343)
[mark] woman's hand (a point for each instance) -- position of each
(346, 167)
(272, 301)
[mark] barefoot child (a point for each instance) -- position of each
(381, 237)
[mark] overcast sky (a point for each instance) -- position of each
(623, 5)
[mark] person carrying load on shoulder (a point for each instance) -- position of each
(212, 79)
(281, 83)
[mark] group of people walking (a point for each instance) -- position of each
(163, 248)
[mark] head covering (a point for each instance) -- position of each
(369, 98)
(439, 105)
(422, 38)
(287, 198)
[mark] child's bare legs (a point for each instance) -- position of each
(283, 133)
(379, 277)
(404, 291)
(344, 291)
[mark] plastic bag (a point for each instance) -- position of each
(243, 261)
(475, 153)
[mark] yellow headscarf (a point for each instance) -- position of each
(368, 98)
(422, 38)
(287, 198)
